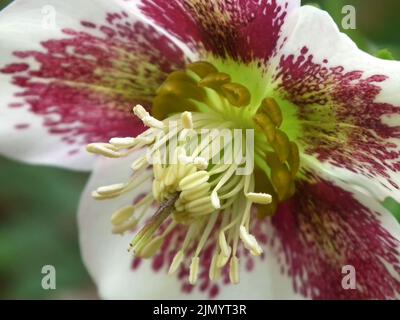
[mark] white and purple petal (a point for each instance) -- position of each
(70, 73)
(328, 225)
(348, 101)
(239, 29)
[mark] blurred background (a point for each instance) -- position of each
(38, 204)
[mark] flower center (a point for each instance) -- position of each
(212, 156)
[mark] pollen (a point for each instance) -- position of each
(212, 160)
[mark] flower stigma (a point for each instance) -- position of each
(212, 159)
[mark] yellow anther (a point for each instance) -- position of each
(152, 122)
(194, 180)
(104, 149)
(170, 176)
(214, 272)
(237, 95)
(139, 163)
(215, 200)
(140, 111)
(122, 215)
(182, 89)
(223, 259)
(99, 196)
(198, 203)
(180, 75)
(281, 145)
(111, 189)
(176, 262)
(266, 125)
(294, 159)
(215, 80)
(234, 270)
(187, 122)
(282, 181)
(151, 248)
(270, 107)
(200, 163)
(126, 226)
(168, 104)
(225, 249)
(194, 270)
(261, 198)
(201, 210)
(250, 242)
(201, 68)
(192, 194)
(123, 142)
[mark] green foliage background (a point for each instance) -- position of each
(38, 204)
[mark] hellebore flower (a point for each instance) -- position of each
(326, 124)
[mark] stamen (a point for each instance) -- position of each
(111, 189)
(194, 270)
(153, 122)
(237, 94)
(250, 242)
(195, 193)
(140, 112)
(104, 149)
(176, 262)
(139, 163)
(98, 196)
(126, 226)
(215, 271)
(281, 145)
(234, 270)
(121, 215)
(271, 108)
(123, 142)
(225, 249)
(194, 180)
(261, 198)
(215, 200)
(151, 248)
(187, 122)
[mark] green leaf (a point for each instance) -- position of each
(393, 206)
(385, 54)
